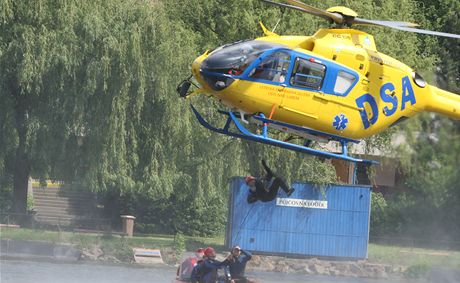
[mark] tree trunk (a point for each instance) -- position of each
(20, 182)
(21, 163)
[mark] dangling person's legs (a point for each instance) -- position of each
(278, 182)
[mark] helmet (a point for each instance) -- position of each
(199, 253)
(209, 251)
(249, 179)
(236, 250)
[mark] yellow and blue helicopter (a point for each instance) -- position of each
(331, 86)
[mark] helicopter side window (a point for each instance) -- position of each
(344, 82)
(308, 74)
(273, 68)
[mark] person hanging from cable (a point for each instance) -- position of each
(266, 188)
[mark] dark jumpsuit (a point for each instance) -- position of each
(267, 187)
(206, 271)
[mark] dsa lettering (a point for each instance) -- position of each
(391, 103)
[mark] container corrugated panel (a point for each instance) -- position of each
(341, 230)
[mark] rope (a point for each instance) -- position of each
(244, 220)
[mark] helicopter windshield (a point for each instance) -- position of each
(236, 57)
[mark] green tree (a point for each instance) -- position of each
(430, 161)
(88, 97)
(73, 83)
(442, 15)
(431, 152)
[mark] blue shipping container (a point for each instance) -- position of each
(332, 222)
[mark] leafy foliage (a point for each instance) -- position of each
(88, 97)
(430, 160)
(179, 246)
(379, 213)
(417, 271)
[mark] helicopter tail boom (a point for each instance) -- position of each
(444, 102)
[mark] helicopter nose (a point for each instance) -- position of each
(215, 79)
(196, 66)
(208, 78)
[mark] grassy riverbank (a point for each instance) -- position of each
(121, 247)
(114, 246)
(410, 256)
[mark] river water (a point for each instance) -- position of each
(25, 271)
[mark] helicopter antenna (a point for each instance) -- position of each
(279, 20)
(283, 12)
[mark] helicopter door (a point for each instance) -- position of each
(271, 72)
(306, 80)
(273, 68)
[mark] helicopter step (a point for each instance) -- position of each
(263, 137)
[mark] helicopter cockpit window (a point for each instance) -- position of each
(308, 74)
(343, 83)
(273, 68)
(234, 58)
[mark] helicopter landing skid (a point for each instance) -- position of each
(264, 138)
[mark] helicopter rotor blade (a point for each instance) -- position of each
(404, 26)
(391, 24)
(296, 8)
(341, 20)
(337, 18)
(429, 32)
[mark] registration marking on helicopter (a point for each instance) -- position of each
(341, 36)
